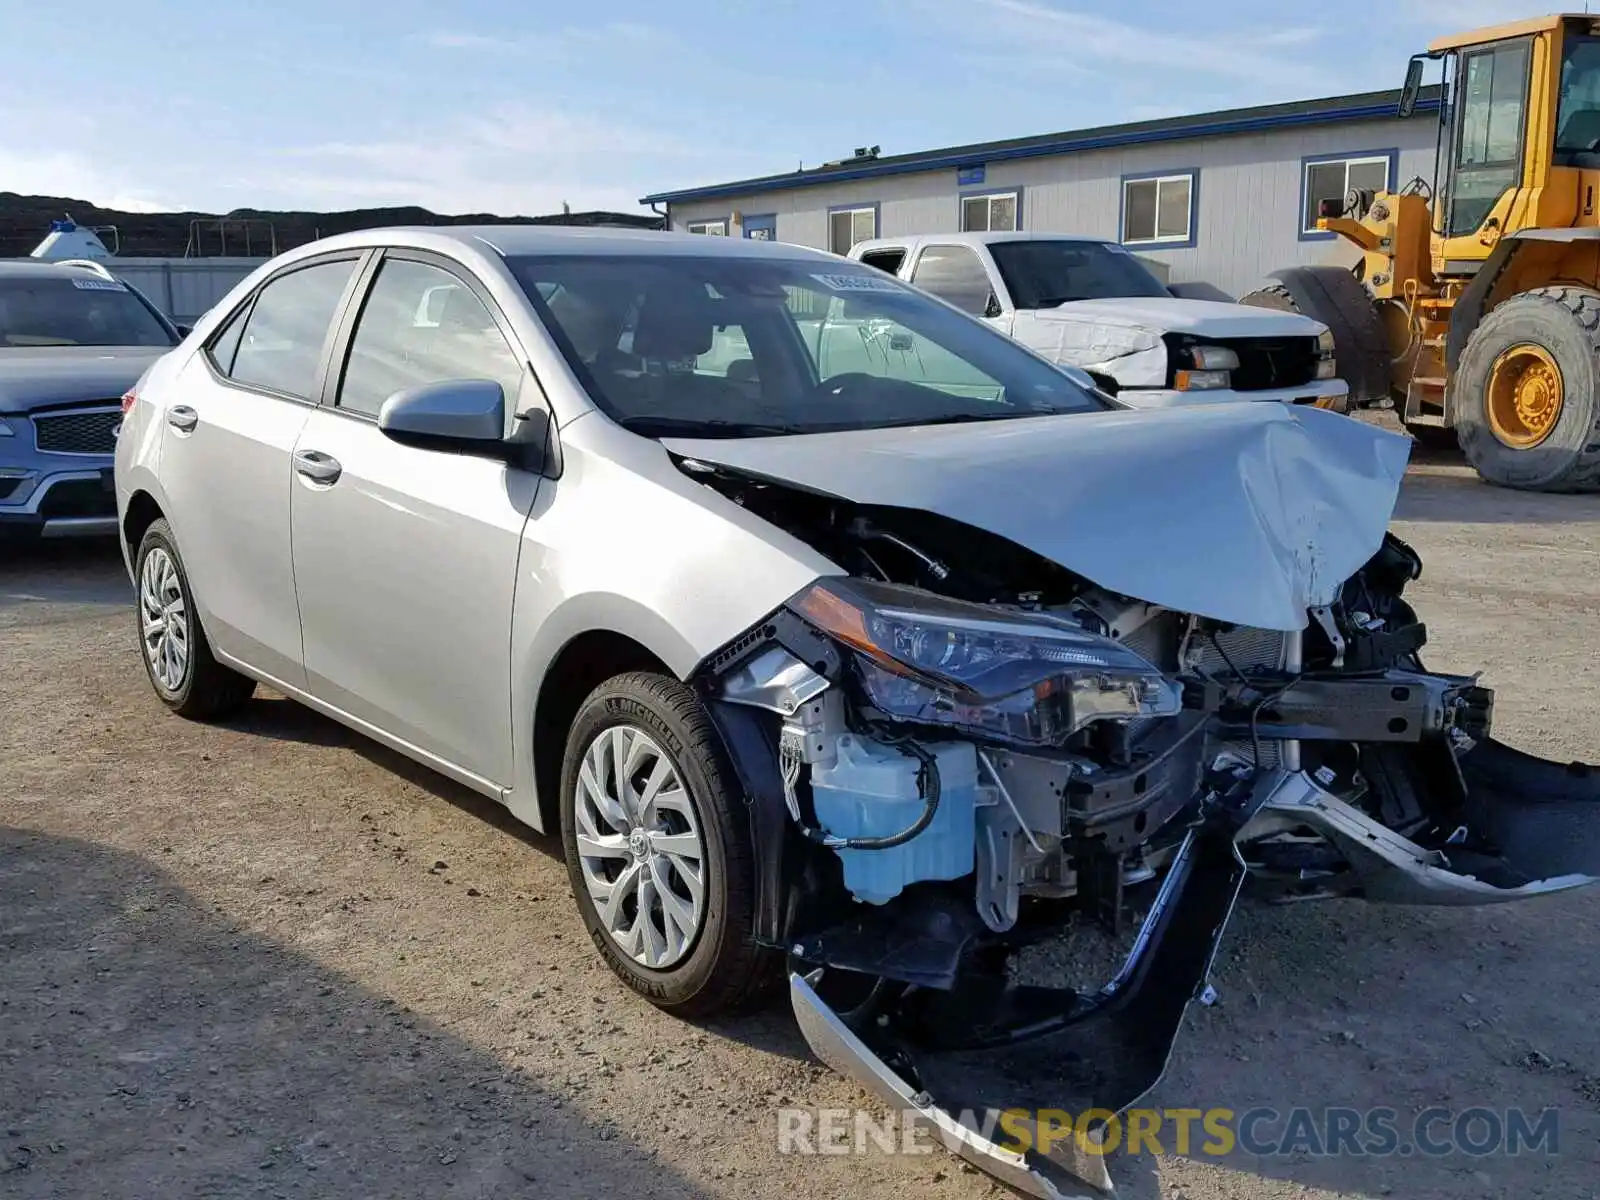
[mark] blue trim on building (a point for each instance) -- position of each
(1188, 243)
(963, 197)
(858, 206)
(1179, 129)
(1392, 154)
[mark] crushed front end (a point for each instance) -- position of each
(940, 770)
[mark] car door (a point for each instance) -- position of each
(405, 558)
(225, 455)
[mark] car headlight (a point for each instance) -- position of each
(1202, 381)
(1326, 365)
(6, 430)
(1213, 358)
(1017, 676)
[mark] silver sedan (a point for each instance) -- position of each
(826, 624)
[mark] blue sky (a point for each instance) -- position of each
(517, 107)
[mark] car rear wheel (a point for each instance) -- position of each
(658, 847)
(177, 657)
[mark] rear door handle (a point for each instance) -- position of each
(182, 418)
(317, 466)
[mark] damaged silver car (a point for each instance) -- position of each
(839, 636)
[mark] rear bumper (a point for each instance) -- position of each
(1323, 393)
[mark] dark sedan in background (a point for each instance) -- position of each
(73, 339)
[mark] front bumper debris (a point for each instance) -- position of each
(954, 1061)
(957, 1051)
(1516, 826)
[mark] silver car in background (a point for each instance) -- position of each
(854, 659)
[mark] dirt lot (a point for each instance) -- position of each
(273, 959)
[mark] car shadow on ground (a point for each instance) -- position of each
(1456, 495)
(88, 573)
(769, 1028)
(149, 1045)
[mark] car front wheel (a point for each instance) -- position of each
(658, 849)
(177, 657)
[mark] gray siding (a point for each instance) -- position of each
(1248, 219)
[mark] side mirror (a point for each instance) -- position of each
(457, 414)
(1104, 382)
(1413, 87)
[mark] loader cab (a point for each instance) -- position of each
(1516, 147)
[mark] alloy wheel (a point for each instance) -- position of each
(163, 619)
(640, 847)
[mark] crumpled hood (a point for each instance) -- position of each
(1170, 314)
(39, 378)
(1246, 513)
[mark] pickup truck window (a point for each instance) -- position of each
(722, 346)
(889, 260)
(1048, 272)
(956, 275)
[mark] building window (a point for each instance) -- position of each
(847, 226)
(1336, 178)
(1159, 209)
(991, 212)
(713, 228)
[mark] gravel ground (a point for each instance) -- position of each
(273, 959)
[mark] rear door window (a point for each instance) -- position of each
(284, 335)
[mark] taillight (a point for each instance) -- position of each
(129, 397)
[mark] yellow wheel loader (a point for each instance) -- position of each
(1474, 300)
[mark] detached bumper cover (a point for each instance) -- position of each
(1055, 1063)
(955, 1061)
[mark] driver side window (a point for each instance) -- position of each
(955, 274)
(420, 324)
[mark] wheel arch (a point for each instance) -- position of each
(583, 663)
(143, 510)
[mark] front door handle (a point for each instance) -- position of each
(317, 466)
(182, 418)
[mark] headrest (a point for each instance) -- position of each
(675, 323)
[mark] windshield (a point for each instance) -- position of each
(1578, 117)
(73, 310)
(729, 347)
(1044, 273)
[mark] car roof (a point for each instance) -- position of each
(973, 239)
(513, 241)
(16, 267)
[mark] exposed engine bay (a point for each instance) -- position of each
(959, 741)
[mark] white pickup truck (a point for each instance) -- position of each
(1091, 304)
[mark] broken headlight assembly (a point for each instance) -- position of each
(1010, 675)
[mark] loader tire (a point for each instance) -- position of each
(1557, 324)
(1335, 297)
